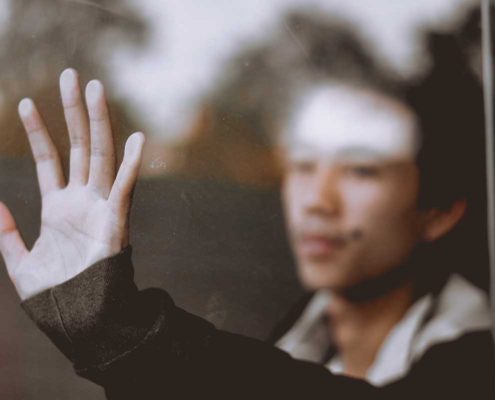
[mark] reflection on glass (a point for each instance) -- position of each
(236, 99)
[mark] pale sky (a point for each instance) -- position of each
(190, 40)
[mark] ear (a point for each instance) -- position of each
(440, 222)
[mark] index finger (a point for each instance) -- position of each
(48, 167)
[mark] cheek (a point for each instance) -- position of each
(389, 228)
(389, 206)
(290, 200)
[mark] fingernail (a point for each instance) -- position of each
(25, 107)
(68, 79)
(134, 143)
(94, 90)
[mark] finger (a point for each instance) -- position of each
(12, 246)
(102, 161)
(77, 125)
(120, 196)
(48, 167)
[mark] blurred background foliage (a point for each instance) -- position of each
(207, 223)
(40, 39)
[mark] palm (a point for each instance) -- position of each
(82, 219)
(81, 222)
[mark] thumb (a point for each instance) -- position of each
(12, 247)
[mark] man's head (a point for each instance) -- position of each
(352, 186)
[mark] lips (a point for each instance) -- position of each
(320, 246)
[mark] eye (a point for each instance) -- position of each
(301, 166)
(363, 171)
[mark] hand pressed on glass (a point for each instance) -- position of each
(85, 219)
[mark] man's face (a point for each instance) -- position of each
(351, 186)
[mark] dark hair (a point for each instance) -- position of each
(447, 102)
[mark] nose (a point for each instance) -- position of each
(323, 195)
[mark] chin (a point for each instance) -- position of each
(316, 276)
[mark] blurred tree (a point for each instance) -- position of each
(233, 139)
(41, 38)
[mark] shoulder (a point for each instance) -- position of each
(474, 347)
(459, 368)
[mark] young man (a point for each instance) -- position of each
(352, 203)
(358, 161)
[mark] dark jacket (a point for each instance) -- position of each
(139, 345)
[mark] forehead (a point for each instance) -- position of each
(342, 121)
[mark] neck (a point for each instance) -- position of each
(359, 327)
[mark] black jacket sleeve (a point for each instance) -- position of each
(139, 345)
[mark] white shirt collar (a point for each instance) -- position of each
(460, 308)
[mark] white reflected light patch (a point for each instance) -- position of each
(336, 120)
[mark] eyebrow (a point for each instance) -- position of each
(361, 152)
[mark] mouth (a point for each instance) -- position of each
(318, 246)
